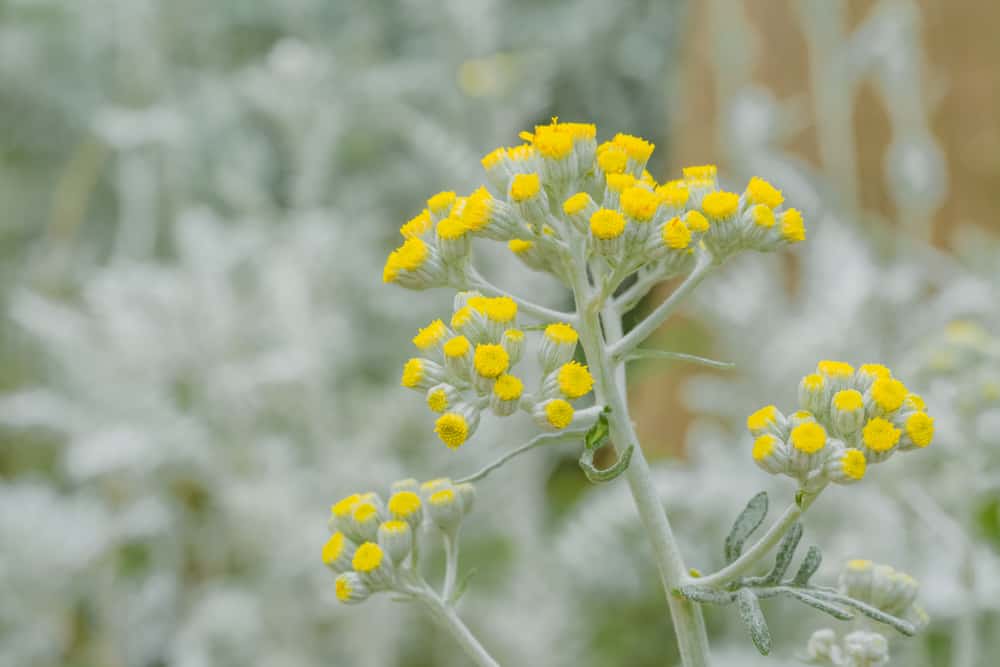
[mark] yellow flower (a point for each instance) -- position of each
(559, 413)
(560, 332)
(720, 204)
(519, 246)
(809, 437)
(576, 203)
(508, 388)
(456, 347)
(524, 187)
(760, 191)
(367, 558)
(763, 418)
(637, 148)
(763, 446)
(452, 428)
(848, 400)
(920, 427)
(607, 224)
(880, 435)
(676, 234)
(639, 203)
(575, 380)
(834, 369)
(441, 202)
(490, 360)
(792, 227)
(417, 225)
(673, 193)
(430, 335)
(888, 393)
(854, 464)
(413, 373)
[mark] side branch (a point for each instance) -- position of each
(642, 331)
(676, 356)
(541, 313)
(537, 441)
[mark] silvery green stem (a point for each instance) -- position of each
(689, 624)
(760, 548)
(450, 565)
(652, 322)
(445, 616)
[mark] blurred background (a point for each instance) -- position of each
(197, 354)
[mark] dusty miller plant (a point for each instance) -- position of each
(592, 217)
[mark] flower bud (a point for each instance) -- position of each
(578, 210)
(372, 565)
(444, 508)
(767, 420)
(395, 538)
(458, 357)
(771, 454)
(455, 427)
(607, 232)
(554, 414)
(557, 346)
(421, 374)
(845, 465)
(365, 520)
(572, 380)
(513, 342)
(406, 506)
(338, 552)
(467, 495)
(847, 411)
(351, 589)
(442, 397)
(506, 395)
(813, 393)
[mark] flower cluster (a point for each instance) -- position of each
(561, 188)
(847, 419)
(467, 366)
(371, 539)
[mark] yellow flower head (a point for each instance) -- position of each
(676, 234)
(848, 400)
(500, 309)
(461, 317)
(576, 203)
(561, 332)
(490, 360)
(478, 210)
(430, 335)
(552, 143)
(611, 159)
(696, 222)
(456, 347)
(508, 388)
(763, 446)
(763, 418)
(442, 497)
(707, 172)
(524, 187)
(345, 506)
(639, 203)
(888, 393)
(808, 437)
(875, 370)
(559, 413)
(880, 435)
(413, 373)
(344, 589)
(437, 400)
(409, 257)
(760, 191)
(720, 204)
(637, 148)
(333, 548)
(452, 428)
(793, 229)
(520, 246)
(368, 557)
(673, 193)
(814, 382)
(916, 402)
(762, 216)
(575, 380)
(493, 158)
(404, 504)
(619, 182)
(834, 369)
(854, 464)
(364, 512)
(920, 427)
(441, 202)
(417, 225)
(607, 224)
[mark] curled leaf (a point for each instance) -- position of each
(746, 523)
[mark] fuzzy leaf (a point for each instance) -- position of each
(598, 433)
(786, 551)
(904, 627)
(811, 563)
(597, 475)
(746, 523)
(706, 596)
(753, 619)
(822, 604)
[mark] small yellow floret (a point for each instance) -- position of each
(760, 191)
(451, 228)
(618, 182)
(345, 506)
(442, 497)
(875, 370)
(524, 187)
(552, 143)
(720, 204)
(696, 222)
(493, 158)
(814, 382)
(452, 428)
(437, 400)
(478, 210)
(639, 203)
(809, 437)
(888, 393)
(706, 172)
(834, 369)
(521, 153)
(637, 148)
(500, 309)
(430, 335)
(607, 224)
(575, 380)
(344, 589)
(364, 512)
(513, 335)
(880, 435)
(576, 203)
(673, 193)
(676, 234)
(413, 373)
(404, 503)
(395, 526)
(916, 402)
(561, 332)
(461, 317)
(763, 446)
(612, 160)
(762, 216)
(490, 360)
(559, 413)
(407, 257)
(519, 246)
(792, 226)
(416, 225)
(848, 400)
(333, 548)
(854, 463)
(508, 388)
(920, 428)
(762, 418)
(456, 347)
(441, 202)
(367, 558)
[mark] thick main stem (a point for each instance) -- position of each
(445, 615)
(689, 625)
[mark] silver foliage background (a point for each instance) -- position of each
(198, 355)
